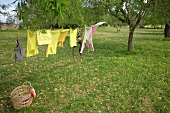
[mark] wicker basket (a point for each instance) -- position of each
(21, 96)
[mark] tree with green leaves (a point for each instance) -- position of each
(159, 12)
(73, 14)
(128, 11)
(93, 11)
(37, 13)
(3, 7)
(10, 19)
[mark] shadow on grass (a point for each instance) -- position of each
(151, 33)
(113, 50)
(150, 39)
(120, 53)
(149, 36)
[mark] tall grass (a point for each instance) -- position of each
(110, 79)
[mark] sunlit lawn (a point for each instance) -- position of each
(110, 79)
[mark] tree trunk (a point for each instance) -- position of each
(167, 31)
(130, 40)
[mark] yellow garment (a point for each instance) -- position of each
(53, 46)
(73, 41)
(62, 37)
(44, 38)
(32, 44)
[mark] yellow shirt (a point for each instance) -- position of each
(32, 44)
(73, 41)
(62, 37)
(52, 47)
(44, 38)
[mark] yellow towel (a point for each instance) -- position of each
(62, 37)
(32, 44)
(52, 48)
(44, 38)
(73, 34)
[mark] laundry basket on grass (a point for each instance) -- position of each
(22, 96)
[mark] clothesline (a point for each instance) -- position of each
(56, 38)
(52, 38)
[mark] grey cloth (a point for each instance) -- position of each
(19, 52)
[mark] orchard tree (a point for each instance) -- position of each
(128, 11)
(3, 7)
(73, 14)
(10, 19)
(167, 30)
(160, 11)
(93, 11)
(158, 14)
(36, 13)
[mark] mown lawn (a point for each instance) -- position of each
(108, 80)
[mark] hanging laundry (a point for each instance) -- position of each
(62, 37)
(44, 37)
(100, 23)
(19, 51)
(32, 44)
(73, 34)
(79, 38)
(80, 43)
(88, 40)
(52, 48)
(94, 27)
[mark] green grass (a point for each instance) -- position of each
(110, 79)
